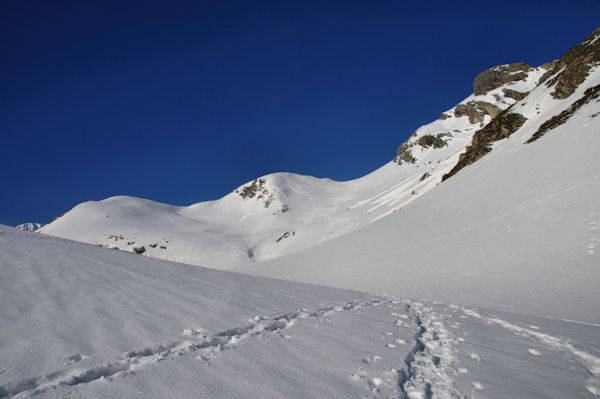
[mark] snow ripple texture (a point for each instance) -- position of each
(208, 347)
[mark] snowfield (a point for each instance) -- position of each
(82, 321)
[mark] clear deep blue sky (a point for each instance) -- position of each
(181, 102)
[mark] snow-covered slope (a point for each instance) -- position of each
(506, 246)
(80, 321)
(520, 226)
(282, 213)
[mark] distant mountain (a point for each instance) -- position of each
(283, 213)
(29, 226)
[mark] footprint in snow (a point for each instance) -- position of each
(534, 352)
(359, 374)
(375, 382)
(369, 360)
(478, 386)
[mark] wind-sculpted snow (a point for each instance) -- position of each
(191, 341)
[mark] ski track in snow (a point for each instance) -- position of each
(207, 347)
(586, 360)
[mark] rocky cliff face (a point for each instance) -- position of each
(495, 91)
(565, 75)
(573, 67)
(281, 213)
(495, 77)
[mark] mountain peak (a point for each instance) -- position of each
(500, 75)
(570, 70)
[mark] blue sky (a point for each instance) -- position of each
(182, 102)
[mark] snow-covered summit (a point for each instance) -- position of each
(282, 213)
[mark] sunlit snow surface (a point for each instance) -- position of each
(83, 321)
(288, 213)
(486, 285)
(519, 230)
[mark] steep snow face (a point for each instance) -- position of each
(521, 226)
(283, 213)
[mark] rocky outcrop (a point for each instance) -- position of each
(505, 124)
(571, 69)
(253, 189)
(590, 94)
(476, 111)
(404, 155)
(495, 77)
(430, 140)
(515, 95)
(404, 152)
(258, 189)
(286, 235)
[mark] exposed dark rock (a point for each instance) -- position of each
(139, 250)
(425, 176)
(404, 155)
(154, 245)
(286, 235)
(493, 78)
(549, 67)
(574, 66)
(505, 124)
(444, 116)
(429, 140)
(251, 190)
(517, 95)
(476, 110)
(557, 120)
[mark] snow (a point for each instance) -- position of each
(520, 227)
(84, 321)
(483, 286)
(287, 213)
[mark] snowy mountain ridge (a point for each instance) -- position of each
(483, 285)
(283, 213)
